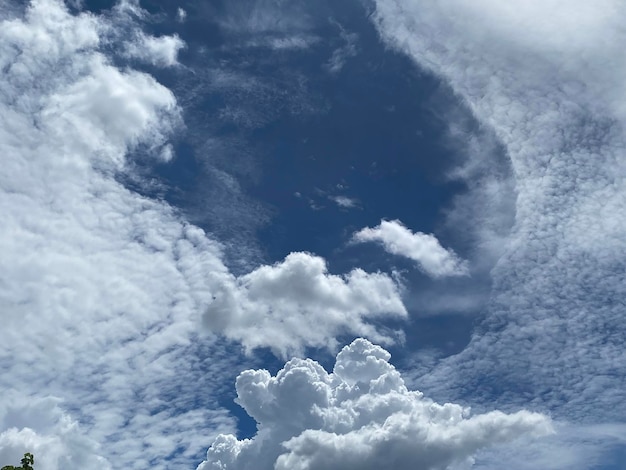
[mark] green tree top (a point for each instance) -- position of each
(27, 463)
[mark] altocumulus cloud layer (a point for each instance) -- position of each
(361, 416)
(102, 289)
(546, 76)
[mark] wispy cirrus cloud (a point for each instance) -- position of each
(345, 202)
(343, 53)
(160, 51)
(572, 446)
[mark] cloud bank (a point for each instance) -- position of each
(360, 416)
(97, 282)
(420, 247)
(547, 78)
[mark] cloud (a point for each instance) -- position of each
(297, 303)
(361, 416)
(420, 247)
(345, 202)
(572, 447)
(40, 427)
(546, 79)
(102, 290)
(343, 53)
(290, 43)
(263, 16)
(160, 51)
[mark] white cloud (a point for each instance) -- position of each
(282, 42)
(572, 447)
(343, 53)
(97, 283)
(546, 76)
(361, 416)
(181, 15)
(420, 247)
(102, 290)
(266, 16)
(160, 51)
(290, 42)
(40, 427)
(297, 303)
(486, 210)
(345, 201)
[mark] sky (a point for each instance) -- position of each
(279, 234)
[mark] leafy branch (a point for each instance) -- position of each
(27, 463)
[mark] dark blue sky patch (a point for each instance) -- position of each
(274, 137)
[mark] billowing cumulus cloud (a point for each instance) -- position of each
(360, 416)
(297, 303)
(420, 247)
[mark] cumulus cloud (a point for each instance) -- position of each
(297, 303)
(546, 78)
(39, 426)
(360, 416)
(420, 247)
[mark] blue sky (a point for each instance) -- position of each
(282, 234)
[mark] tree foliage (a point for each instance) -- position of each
(27, 463)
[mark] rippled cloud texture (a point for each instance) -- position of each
(102, 290)
(546, 78)
(124, 323)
